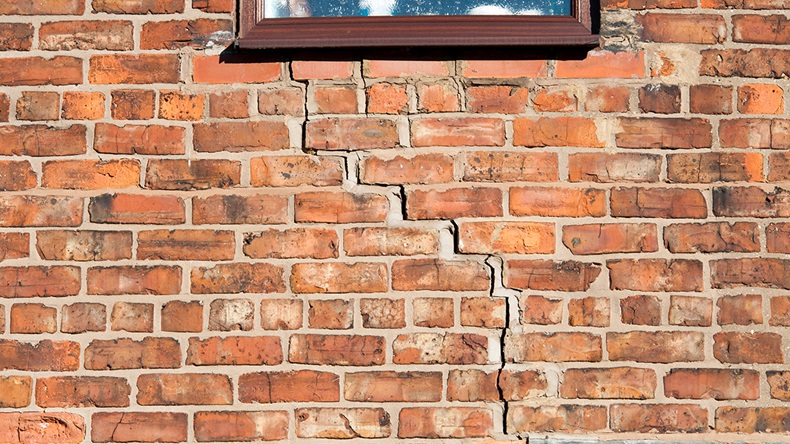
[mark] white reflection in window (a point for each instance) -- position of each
(346, 8)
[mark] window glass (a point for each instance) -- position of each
(366, 8)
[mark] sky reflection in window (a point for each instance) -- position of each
(366, 8)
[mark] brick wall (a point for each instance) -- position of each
(197, 248)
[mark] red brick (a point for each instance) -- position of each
(589, 312)
(234, 69)
(497, 99)
(710, 99)
(433, 312)
(609, 383)
(435, 348)
(686, 28)
(27, 282)
(673, 418)
(176, 34)
(136, 69)
(333, 314)
(453, 203)
(556, 131)
(61, 70)
(750, 272)
(555, 99)
(460, 131)
(438, 96)
(760, 99)
(472, 386)
(755, 133)
(540, 310)
(522, 385)
(382, 313)
(43, 356)
(770, 29)
(483, 312)
(334, 100)
(213, 5)
(777, 238)
(744, 309)
(42, 140)
(14, 246)
(134, 280)
(139, 427)
(231, 314)
(139, 139)
(659, 98)
(290, 171)
(506, 237)
(497, 166)
(608, 99)
(120, 354)
(420, 169)
(41, 428)
(342, 423)
(779, 167)
(15, 391)
(90, 174)
(83, 317)
(241, 426)
(392, 386)
(339, 278)
(231, 105)
(321, 70)
(655, 275)
(557, 202)
(551, 275)
(553, 347)
(752, 420)
(658, 203)
(237, 137)
(603, 65)
(293, 386)
(375, 241)
(404, 68)
(456, 422)
(182, 317)
(656, 346)
(16, 36)
(237, 209)
(650, 4)
(110, 35)
(749, 348)
(40, 211)
(340, 207)
(235, 350)
(715, 167)
(234, 278)
(138, 6)
(85, 391)
(719, 384)
(690, 311)
(33, 319)
(177, 105)
(779, 384)
(16, 175)
(664, 133)
(38, 105)
(133, 104)
(355, 350)
(351, 133)
(5, 107)
(504, 69)
(387, 98)
(561, 419)
(136, 209)
(438, 275)
(313, 243)
(610, 238)
(756, 62)
(750, 202)
(207, 245)
(199, 174)
(184, 389)
(289, 101)
(712, 237)
(83, 105)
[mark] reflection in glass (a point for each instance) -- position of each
(363, 8)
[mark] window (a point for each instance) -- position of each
(414, 23)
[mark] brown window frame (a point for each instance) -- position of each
(257, 32)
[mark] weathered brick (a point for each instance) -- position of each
(437, 348)
(557, 202)
(559, 419)
(279, 101)
(420, 169)
(139, 427)
(664, 133)
(589, 312)
(240, 209)
(199, 174)
(339, 278)
(139, 139)
(768, 29)
(332, 314)
(498, 166)
(16, 175)
(231, 105)
(659, 98)
(483, 312)
(752, 419)
(235, 350)
(241, 426)
(60, 70)
(661, 418)
(690, 311)
(614, 168)
(750, 272)
(120, 354)
(551, 275)
(655, 275)
(133, 104)
(353, 350)
(437, 96)
(132, 317)
(231, 314)
(383, 313)
(750, 348)
(740, 309)
(540, 310)
(715, 167)
(82, 105)
(386, 98)
(340, 207)
(760, 99)
(337, 99)
(777, 238)
(27, 282)
(43, 356)
(455, 422)
(135, 69)
(82, 391)
(136, 209)
(687, 28)
(40, 428)
(608, 99)
(293, 386)
(90, 174)
(433, 312)
(556, 131)
(609, 383)
(756, 62)
(291, 171)
(184, 389)
(14, 245)
(719, 384)
(178, 105)
(438, 275)
(83, 317)
(176, 34)
(182, 317)
(134, 280)
(665, 203)
(16, 36)
(42, 140)
(553, 347)
(234, 137)
(138, 7)
(453, 203)
(656, 346)
(710, 99)
(779, 384)
(375, 241)
(15, 391)
(712, 237)
(338, 423)
(498, 99)
(110, 35)
(315, 243)
(33, 319)
(610, 238)
(460, 131)
(349, 134)
(755, 133)
(392, 386)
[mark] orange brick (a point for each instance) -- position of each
(760, 99)
(603, 65)
(234, 69)
(83, 105)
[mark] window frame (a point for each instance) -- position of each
(257, 32)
